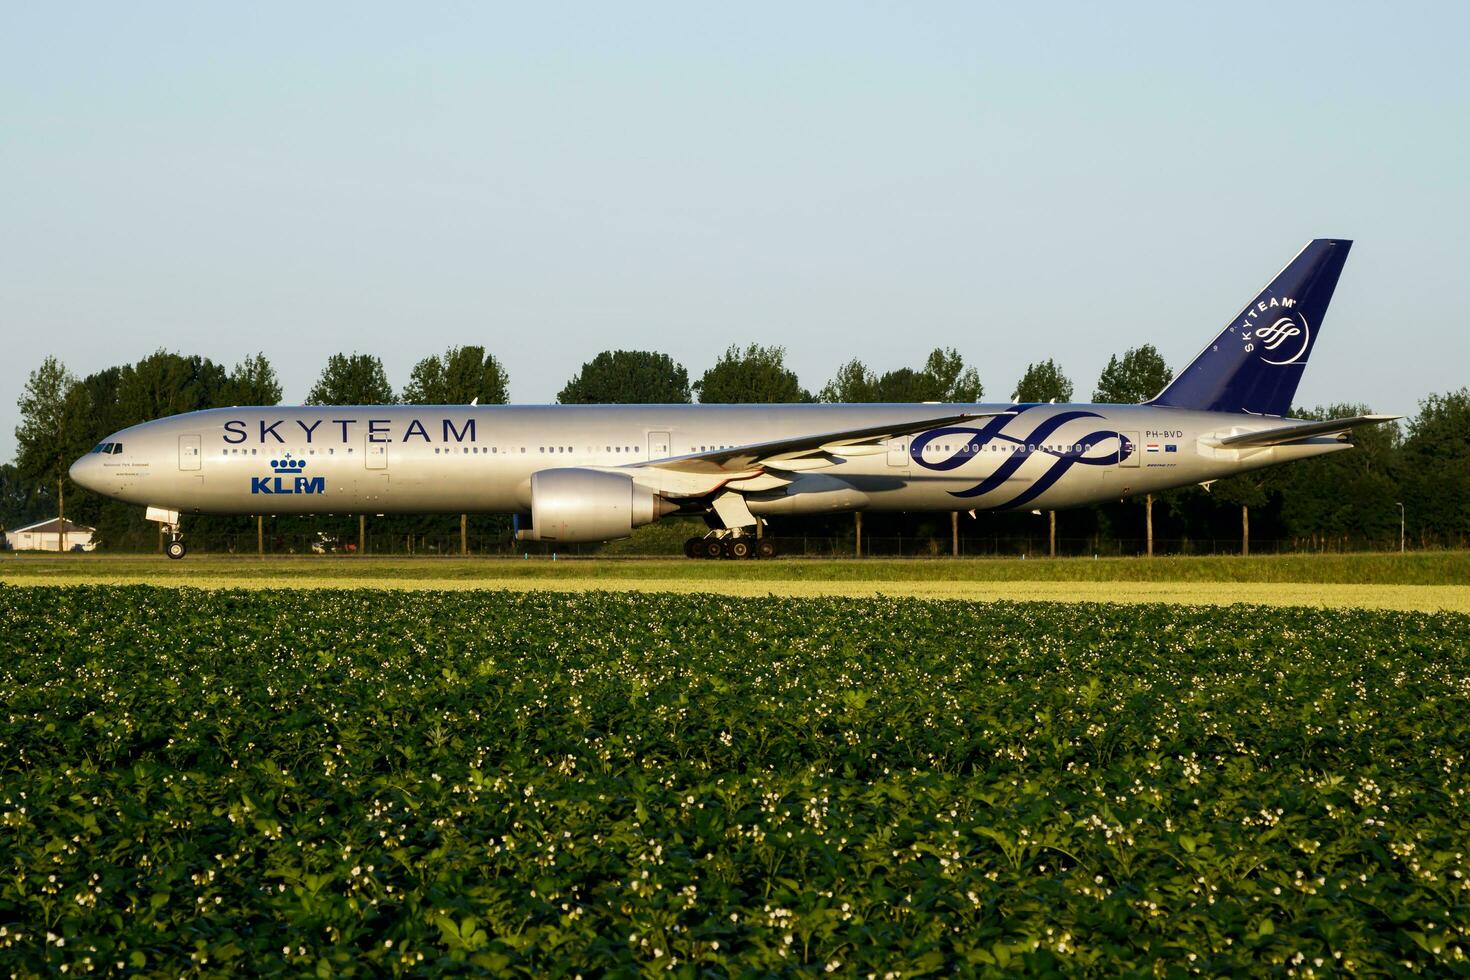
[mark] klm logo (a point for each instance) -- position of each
(288, 479)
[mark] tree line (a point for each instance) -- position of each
(1343, 500)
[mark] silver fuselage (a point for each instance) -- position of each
(461, 459)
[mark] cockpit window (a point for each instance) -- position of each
(116, 448)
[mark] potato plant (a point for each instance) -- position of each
(383, 782)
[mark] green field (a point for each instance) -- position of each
(339, 781)
(1433, 581)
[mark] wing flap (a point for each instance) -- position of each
(1285, 434)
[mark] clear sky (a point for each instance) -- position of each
(1014, 180)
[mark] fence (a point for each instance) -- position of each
(804, 546)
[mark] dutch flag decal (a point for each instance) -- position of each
(1151, 447)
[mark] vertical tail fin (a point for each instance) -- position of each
(1256, 362)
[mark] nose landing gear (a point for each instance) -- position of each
(168, 523)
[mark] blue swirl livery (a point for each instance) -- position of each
(1080, 451)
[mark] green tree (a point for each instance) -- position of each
(756, 374)
(943, 378)
(22, 500)
(252, 382)
(457, 377)
(1043, 382)
(628, 377)
(102, 390)
(1434, 468)
(1344, 498)
(853, 383)
(352, 379)
(948, 379)
(55, 426)
(1245, 491)
(1137, 376)
(165, 383)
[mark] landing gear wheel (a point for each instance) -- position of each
(175, 549)
(691, 547)
(710, 548)
(765, 548)
(739, 548)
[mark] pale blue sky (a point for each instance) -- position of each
(1017, 181)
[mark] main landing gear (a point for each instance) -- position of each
(724, 543)
(175, 548)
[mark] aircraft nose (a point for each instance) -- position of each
(83, 472)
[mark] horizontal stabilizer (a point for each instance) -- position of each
(739, 458)
(1282, 435)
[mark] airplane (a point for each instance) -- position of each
(586, 473)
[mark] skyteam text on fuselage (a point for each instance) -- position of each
(594, 472)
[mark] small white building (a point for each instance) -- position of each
(46, 536)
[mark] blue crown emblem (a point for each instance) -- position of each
(288, 465)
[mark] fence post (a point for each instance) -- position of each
(1148, 505)
(464, 541)
(260, 535)
(1053, 532)
(857, 516)
(954, 534)
(362, 534)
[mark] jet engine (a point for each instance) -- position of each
(574, 504)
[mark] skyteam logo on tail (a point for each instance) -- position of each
(288, 478)
(1278, 329)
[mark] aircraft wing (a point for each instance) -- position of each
(1282, 435)
(801, 452)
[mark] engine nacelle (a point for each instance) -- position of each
(573, 505)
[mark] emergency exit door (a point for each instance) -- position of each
(658, 445)
(188, 452)
(898, 451)
(375, 455)
(1128, 449)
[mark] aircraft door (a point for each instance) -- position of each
(658, 445)
(375, 455)
(188, 452)
(898, 452)
(1128, 450)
